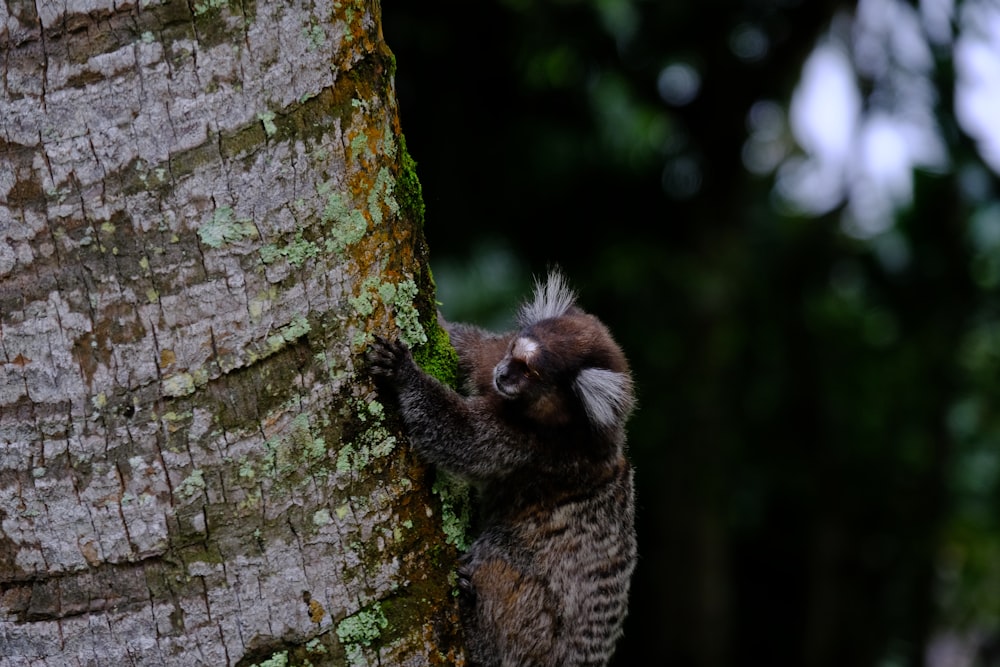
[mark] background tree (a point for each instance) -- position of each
(787, 212)
(204, 208)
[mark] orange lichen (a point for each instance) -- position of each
(316, 611)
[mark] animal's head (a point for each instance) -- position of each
(563, 364)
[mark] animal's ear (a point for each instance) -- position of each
(606, 396)
(553, 298)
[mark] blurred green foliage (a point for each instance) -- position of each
(818, 440)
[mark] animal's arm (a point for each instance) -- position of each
(458, 433)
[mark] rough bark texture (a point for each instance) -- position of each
(204, 208)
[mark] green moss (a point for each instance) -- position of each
(408, 191)
(437, 356)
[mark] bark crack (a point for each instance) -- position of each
(45, 58)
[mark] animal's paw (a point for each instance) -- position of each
(386, 358)
(467, 590)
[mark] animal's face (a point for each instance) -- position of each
(519, 374)
(533, 376)
(561, 369)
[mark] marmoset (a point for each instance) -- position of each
(540, 434)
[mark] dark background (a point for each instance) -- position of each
(817, 441)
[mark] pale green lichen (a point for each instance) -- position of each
(364, 302)
(300, 250)
(359, 146)
(314, 34)
(382, 193)
(291, 332)
(376, 410)
(267, 119)
(388, 144)
(347, 225)
(276, 660)
(407, 317)
(270, 253)
(372, 443)
(247, 471)
(361, 629)
(397, 296)
(291, 452)
(178, 385)
(205, 6)
(455, 509)
(192, 484)
(343, 226)
(221, 228)
(314, 645)
(387, 292)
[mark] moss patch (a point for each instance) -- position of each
(409, 194)
(437, 356)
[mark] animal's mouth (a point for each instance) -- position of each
(501, 381)
(505, 392)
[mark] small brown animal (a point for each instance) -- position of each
(541, 436)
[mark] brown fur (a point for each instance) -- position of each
(541, 435)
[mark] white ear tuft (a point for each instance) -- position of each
(553, 298)
(606, 395)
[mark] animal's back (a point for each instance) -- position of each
(557, 573)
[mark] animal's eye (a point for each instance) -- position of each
(529, 372)
(521, 368)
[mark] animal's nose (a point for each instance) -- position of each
(502, 373)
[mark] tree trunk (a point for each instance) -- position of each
(205, 207)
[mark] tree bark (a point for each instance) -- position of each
(205, 207)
